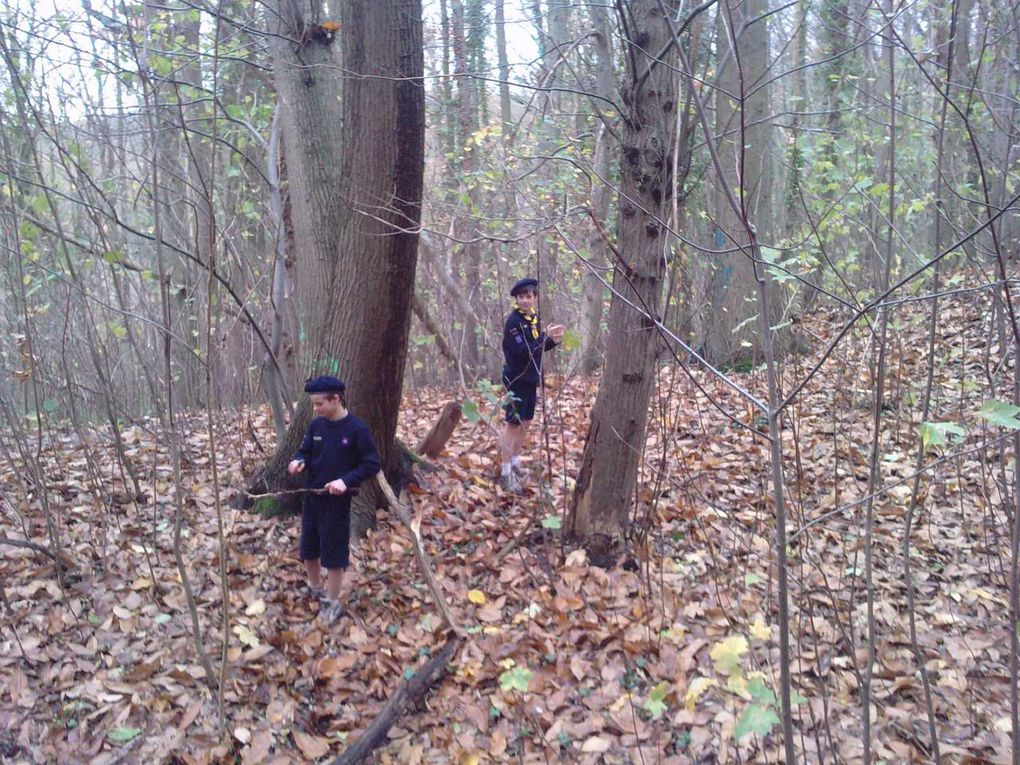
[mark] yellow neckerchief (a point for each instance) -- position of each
(530, 317)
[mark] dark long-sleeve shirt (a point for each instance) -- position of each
(522, 351)
(334, 449)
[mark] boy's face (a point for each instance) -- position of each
(526, 299)
(325, 405)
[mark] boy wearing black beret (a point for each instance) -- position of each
(337, 454)
(523, 345)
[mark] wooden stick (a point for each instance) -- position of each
(289, 492)
(423, 561)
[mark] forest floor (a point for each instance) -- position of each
(670, 657)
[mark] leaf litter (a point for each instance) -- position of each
(670, 657)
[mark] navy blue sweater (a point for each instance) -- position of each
(334, 449)
(522, 351)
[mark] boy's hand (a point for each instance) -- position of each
(556, 332)
(336, 487)
(295, 466)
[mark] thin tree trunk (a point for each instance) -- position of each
(607, 479)
(592, 291)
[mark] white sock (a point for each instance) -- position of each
(506, 468)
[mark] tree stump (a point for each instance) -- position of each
(436, 439)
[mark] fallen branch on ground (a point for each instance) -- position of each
(412, 690)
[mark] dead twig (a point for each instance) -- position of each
(61, 558)
(413, 525)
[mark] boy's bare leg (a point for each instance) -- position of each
(314, 573)
(522, 438)
(510, 443)
(334, 583)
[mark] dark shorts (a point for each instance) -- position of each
(326, 530)
(521, 405)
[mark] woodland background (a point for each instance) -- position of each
(783, 424)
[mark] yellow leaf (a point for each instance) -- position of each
(477, 597)
(624, 700)
(760, 630)
(697, 687)
(738, 684)
(470, 759)
(246, 636)
(256, 608)
(728, 654)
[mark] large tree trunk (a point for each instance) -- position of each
(608, 475)
(356, 202)
(743, 136)
(384, 134)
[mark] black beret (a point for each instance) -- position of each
(324, 384)
(523, 284)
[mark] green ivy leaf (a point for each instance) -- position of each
(570, 341)
(756, 718)
(122, 735)
(551, 522)
(516, 679)
(1000, 413)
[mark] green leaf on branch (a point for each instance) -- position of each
(470, 411)
(760, 691)
(756, 718)
(655, 704)
(1000, 413)
(570, 341)
(937, 433)
(551, 522)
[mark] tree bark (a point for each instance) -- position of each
(440, 433)
(743, 136)
(608, 475)
(592, 290)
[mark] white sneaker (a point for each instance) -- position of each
(332, 611)
(511, 483)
